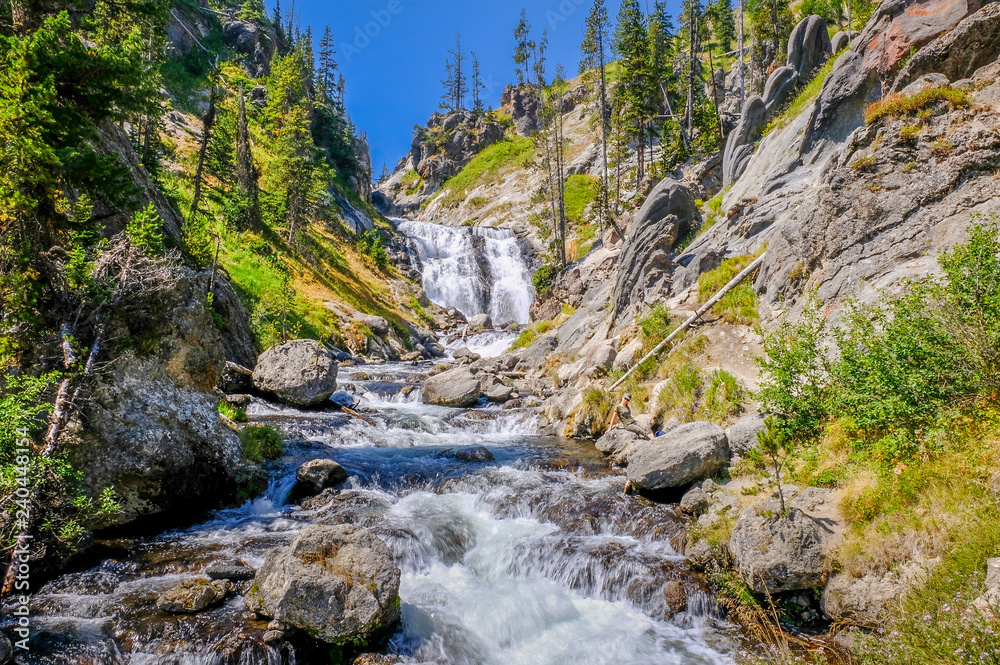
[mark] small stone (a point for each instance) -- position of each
(272, 636)
(474, 454)
(233, 569)
(317, 475)
(192, 596)
(675, 597)
(695, 502)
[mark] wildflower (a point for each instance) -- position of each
(927, 617)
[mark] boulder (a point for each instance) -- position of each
(599, 361)
(688, 453)
(743, 433)
(336, 583)
(868, 600)
(809, 46)
(779, 85)
(455, 388)
(616, 441)
(958, 53)
(465, 353)
(925, 82)
(480, 322)
(534, 356)
(499, 393)
(379, 326)
(772, 553)
(300, 373)
(644, 271)
(675, 597)
(149, 426)
(474, 454)
(839, 41)
(230, 569)
(317, 475)
(740, 142)
(695, 502)
(192, 596)
(628, 355)
(236, 379)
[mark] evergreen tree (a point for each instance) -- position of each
(477, 86)
(326, 75)
(455, 84)
(594, 55)
(538, 53)
(522, 48)
(631, 44)
(771, 22)
(720, 13)
(295, 168)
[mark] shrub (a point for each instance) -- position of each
(692, 395)
(941, 148)
(145, 231)
(909, 132)
(525, 339)
(899, 105)
(237, 415)
(543, 279)
(372, 244)
(864, 164)
(262, 442)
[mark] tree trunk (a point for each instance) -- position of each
(205, 138)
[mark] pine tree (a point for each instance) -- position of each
(720, 13)
(295, 168)
(477, 86)
(455, 84)
(326, 76)
(538, 53)
(206, 136)
(522, 48)
(691, 20)
(631, 44)
(594, 54)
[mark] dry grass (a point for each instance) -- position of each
(899, 105)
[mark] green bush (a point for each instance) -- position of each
(262, 442)
(525, 339)
(372, 244)
(543, 278)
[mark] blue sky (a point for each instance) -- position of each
(394, 77)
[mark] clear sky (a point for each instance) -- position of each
(392, 53)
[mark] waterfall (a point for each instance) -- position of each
(476, 270)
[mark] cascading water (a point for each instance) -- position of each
(536, 558)
(476, 270)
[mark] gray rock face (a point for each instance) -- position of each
(743, 433)
(688, 453)
(873, 59)
(457, 388)
(774, 554)
(809, 45)
(193, 596)
(867, 601)
(300, 373)
(317, 475)
(236, 379)
(248, 39)
(233, 569)
(237, 339)
(957, 54)
(522, 106)
(644, 271)
(150, 426)
(6, 650)
(378, 325)
(338, 583)
(739, 144)
(535, 355)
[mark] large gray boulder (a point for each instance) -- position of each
(809, 45)
(336, 583)
(301, 373)
(149, 426)
(773, 553)
(615, 442)
(743, 433)
(457, 388)
(868, 600)
(644, 271)
(687, 453)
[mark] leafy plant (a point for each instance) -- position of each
(262, 442)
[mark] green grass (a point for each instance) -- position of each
(262, 443)
(487, 167)
(713, 215)
(581, 191)
(900, 105)
(739, 306)
(655, 326)
(412, 181)
(525, 339)
(694, 395)
(237, 415)
(806, 96)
